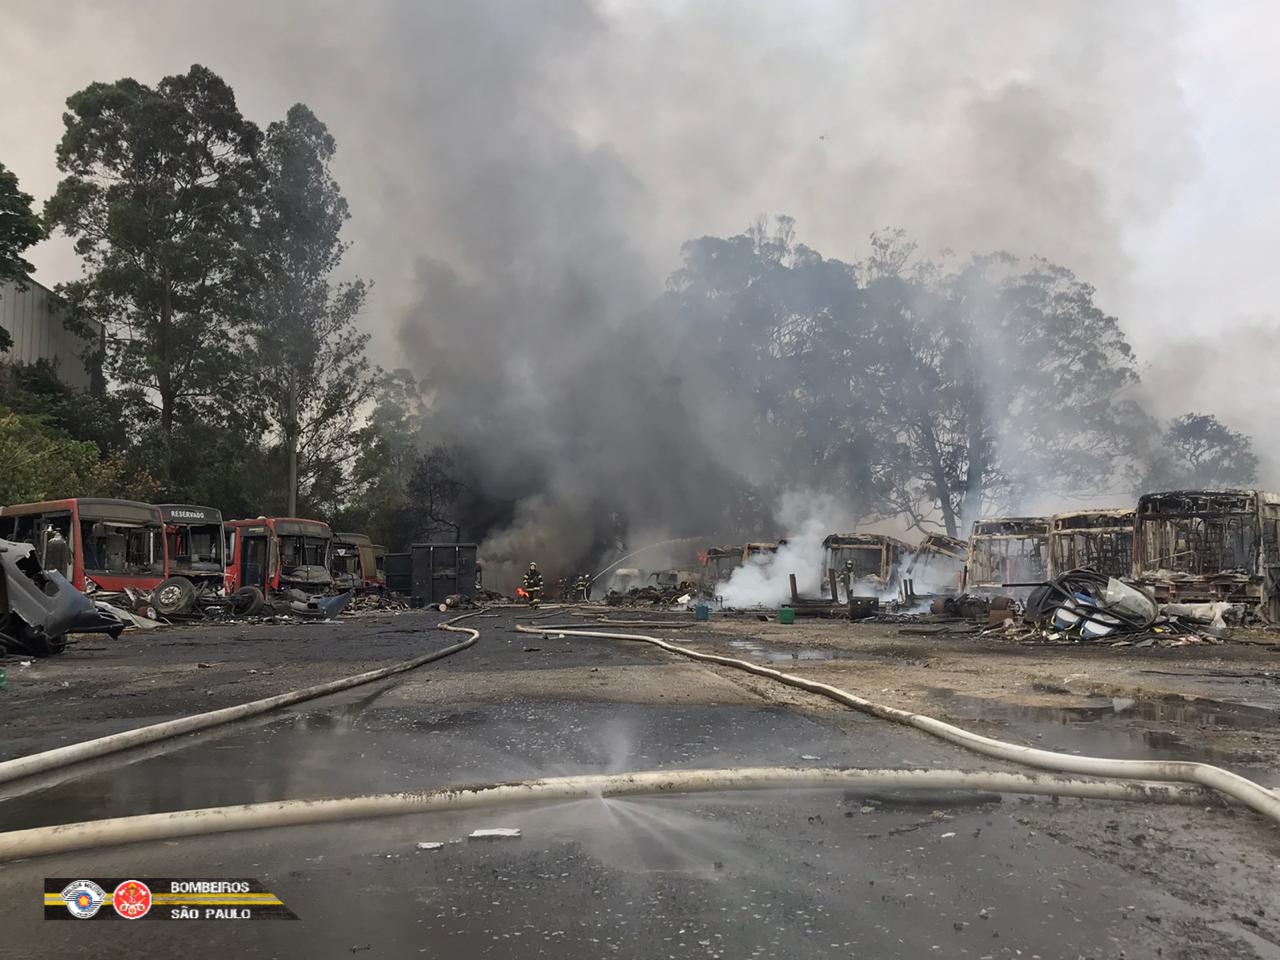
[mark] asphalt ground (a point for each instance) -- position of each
(779, 874)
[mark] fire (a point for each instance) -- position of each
(522, 592)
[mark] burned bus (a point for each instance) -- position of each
(937, 566)
(1099, 539)
(96, 543)
(1008, 551)
(354, 563)
(718, 564)
(872, 559)
(1200, 546)
(195, 558)
(274, 554)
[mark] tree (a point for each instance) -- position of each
(1199, 451)
(160, 193)
(314, 375)
(905, 387)
(783, 332)
(19, 229)
(44, 463)
(435, 490)
(1002, 379)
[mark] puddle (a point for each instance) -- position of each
(1124, 728)
(758, 651)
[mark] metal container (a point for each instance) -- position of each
(441, 570)
(399, 571)
(787, 615)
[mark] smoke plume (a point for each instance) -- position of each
(806, 517)
(522, 176)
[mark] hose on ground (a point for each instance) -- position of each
(101, 746)
(43, 841)
(1253, 795)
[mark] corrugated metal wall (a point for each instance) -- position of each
(34, 321)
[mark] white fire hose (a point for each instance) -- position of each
(1122, 785)
(43, 841)
(101, 746)
(1252, 795)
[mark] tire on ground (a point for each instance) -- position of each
(173, 596)
(247, 601)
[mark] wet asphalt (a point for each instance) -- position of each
(781, 874)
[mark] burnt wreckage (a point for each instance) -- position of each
(38, 607)
(870, 561)
(1101, 540)
(1203, 546)
(1008, 551)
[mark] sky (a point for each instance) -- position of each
(1133, 142)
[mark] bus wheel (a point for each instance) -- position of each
(247, 601)
(174, 596)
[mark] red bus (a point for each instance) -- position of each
(279, 553)
(97, 544)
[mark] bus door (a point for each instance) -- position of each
(254, 567)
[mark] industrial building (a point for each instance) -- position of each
(33, 317)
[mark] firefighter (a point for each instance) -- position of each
(582, 588)
(533, 585)
(846, 578)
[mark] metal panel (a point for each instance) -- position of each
(399, 572)
(442, 569)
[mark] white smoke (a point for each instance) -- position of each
(806, 517)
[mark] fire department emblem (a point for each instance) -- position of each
(132, 899)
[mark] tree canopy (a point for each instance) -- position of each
(160, 194)
(1199, 451)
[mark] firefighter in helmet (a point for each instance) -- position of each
(533, 585)
(582, 588)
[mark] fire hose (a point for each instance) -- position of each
(101, 746)
(43, 841)
(1122, 785)
(1251, 794)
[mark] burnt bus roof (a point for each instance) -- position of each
(1182, 502)
(1094, 520)
(1011, 527)
(734, 550)
(359, 539)
(188, 513)
(863, 540)
(940, 543)
(92, 508)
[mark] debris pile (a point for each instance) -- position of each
(645, 596)
(1085, 606)
(373, 602)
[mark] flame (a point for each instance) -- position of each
(521, 592)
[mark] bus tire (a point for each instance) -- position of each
(174, 596)
(247, 601)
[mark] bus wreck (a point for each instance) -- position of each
(1099, 539)
(873, 560)
(1198, 546)
(1008, 551)
(937, 567)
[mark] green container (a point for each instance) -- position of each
(3, 679)
(787, 615)
(702, 612)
